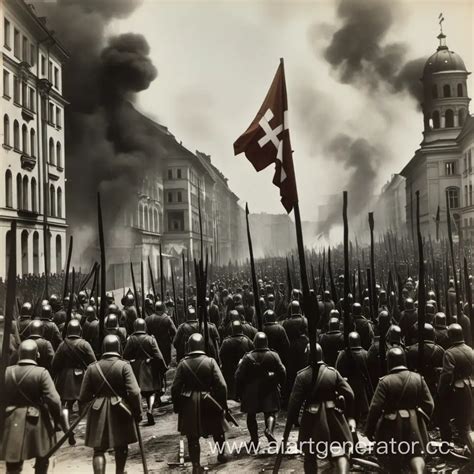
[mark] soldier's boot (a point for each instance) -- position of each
(417, 465)
(41, 465)
(121, 454)
(252, 426)
(269, 427)
(98, 463)
(150, 400)
(67, 424)
(342, 465)
(220, 443)
(194, 450)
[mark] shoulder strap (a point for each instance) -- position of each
(404, 388)
(194, 373)
(148, 356)
(18, 385)
(104, 378)
(76, 356)
(316, 383)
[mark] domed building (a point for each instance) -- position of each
(442, 166)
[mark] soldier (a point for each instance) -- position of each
(233, 348)
(352, 365)
(456, 385)
(373, 354)
(258, 379)
(432, 359)
(318, 389)
(185, 330)
(50, 331)
(199, 395)
(408, 321)
(90, 329)
(363, 326)
(33, 409)
(162, 327)
(276, 334)
(328, 307)
(112, 419)
(401, 406)
(247, 328)
(59, 316)
(24, 321)
(465, 323)
(70, 362)
(332, 342)
(441, 331)
(111, 327)
(394, 337)
(147, 363)
(129, 312)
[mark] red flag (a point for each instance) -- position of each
(267, 140)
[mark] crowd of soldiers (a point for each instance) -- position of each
(349, 384)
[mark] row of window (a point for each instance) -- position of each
(447, 90)
(468, 161)
(175, 173)
(25, 51)
(26, 190)
(148, 218)
(174, 196)
(468, 195)
(26, 267)
(449, 116)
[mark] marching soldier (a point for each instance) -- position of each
(90, 329)
(112, 328)
(70, 362)
(112, 388)
(441, 331)
(408, 322)
(161, 326)
(332, 342)
(319, 390)
(456, 386)
(199, 395)
(24, 321)
(401, 407)
(363, 326)
(129, 312)
(373, 354)
(59, 316)
(258, 379)
(50, 331)
(276, 335)
(33, 409)
(185, 330)
(147, 363)
(233, 348)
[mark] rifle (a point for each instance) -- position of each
(373, 300)
(142, 448)
(281, 449)
(69, 306)
(135, 291)
(103, 270)
(450, 237)
(162, 280)
(346, 309)
(151, 278)
(142, 284)
(469, 298)
(331, 279)
(68, 263)
(174, 294)
(252, 269)
(421, 288)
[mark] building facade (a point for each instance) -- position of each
(391, 206)
(32, 155)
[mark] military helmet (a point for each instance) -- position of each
(326, 295)
(334, 313)
(260, 341)
(430, 308)
(383, 321)
(111, 321)
(53, 299)
(295, 308)
(46, 312)
(109, 297)
(73, 328)
(28, 351)
(409, 304)
(195, 342)
(236, 327)
(191, 313)
(26, 309)
(318, 354)
(111, 345)
(159, 307)
(37, 328)
(90, 313)
(112, 309)
(269, 316)
(455, 333)
(428, 332)
(234, 315)
(333, 324)
(356, 309)
(440, 320)
(139, 326)
(394, 334)
(354, 340)
(396, 358)
(237, 299)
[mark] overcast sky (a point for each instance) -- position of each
(216, 61)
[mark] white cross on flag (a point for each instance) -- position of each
(267, 140)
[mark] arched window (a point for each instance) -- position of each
(24, 252)
(51, 152)
(60, 203)
(155, 216)
(453, 197)
(35, 253)
(150, 219)
(19, 191)
(461, 117)
(24, 139)
(32, 142)
(449, 118)
(145, 218)
(446, 90)
(59, 160)
(34, 202)
(59, 255)
(460, 90)
(6, 130)
(8, 189)
(434, 91)
(140, 216)
(436, 121)
(16, 135)
(25, 193)
(52, 201)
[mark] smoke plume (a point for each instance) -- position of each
(110, 147)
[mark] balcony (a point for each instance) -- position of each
(27, 162)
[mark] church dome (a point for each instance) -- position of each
(443, 60)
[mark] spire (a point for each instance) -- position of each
(441, 37)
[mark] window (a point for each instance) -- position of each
(32, 142)
(36, 253)
(446, 90)
(24, 95)
(470, 194)
(8, 189)
(32, 100)
(6, 84)
(43, 65)
(51, 113)
(19, 191)
(150, 219)
(146, 222)
(461, 117)
(460, 90)
(16, 135)
(16, 43)
(58, 117)
(25, 192)
(56, 75)
(52, 201)
(179, 173)
(176, 221)
(170, 197)
(24, 139)
(24, 252)
(469, 160)
(450, 168)
(180, 197)
(60, 203)
(25, 50)
(59, 254)
(434, 91)
(32, 55)
(170, 174)
(52, 160)
(453, 197)
(16, 90)
(449, 118)
(6, 33)
(6, 130)
(59, 161)
(50, 70)
(436, 120)
(34, 202)
(465, 195)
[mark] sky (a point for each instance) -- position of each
(216, 61)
